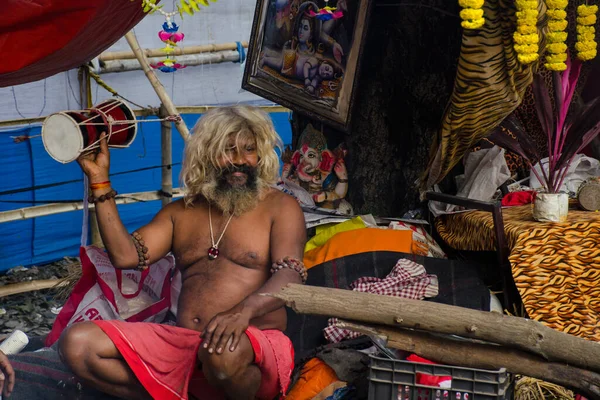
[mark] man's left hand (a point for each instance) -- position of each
(226, 326)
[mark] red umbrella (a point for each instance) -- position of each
(40, 38)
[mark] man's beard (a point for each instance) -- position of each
(235, 199)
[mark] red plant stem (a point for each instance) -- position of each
(560, 136)
(546, 180)
(550, 174)
(562, 142)
(542, 182)
(564, 174)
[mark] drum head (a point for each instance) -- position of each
(62, 137)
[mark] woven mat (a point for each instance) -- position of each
(555, 266)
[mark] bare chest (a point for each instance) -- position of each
(245, 242)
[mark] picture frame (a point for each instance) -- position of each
(305, 63)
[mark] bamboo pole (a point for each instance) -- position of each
(58, 208)
(166, 151)
(179, 51)
(203, 109)
(187, 60)
(520, 333)
(85, 102)
(23, 287)
(483, 356)
(155, 82)
(95, 237)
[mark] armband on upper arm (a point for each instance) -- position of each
(291, 263)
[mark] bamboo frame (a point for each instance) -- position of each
(58, 208)
(166, 154)
(179, 51)
(188, 60)
(156, 84)
(24, 287)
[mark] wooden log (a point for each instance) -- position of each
(30, 286)
(178, 51)
(445, 350)
(155, 82)
(510, 331)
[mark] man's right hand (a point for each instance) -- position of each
(96, 165)
(7, 376)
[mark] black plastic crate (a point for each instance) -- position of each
(397, 380)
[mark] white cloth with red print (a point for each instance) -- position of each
(407, 279)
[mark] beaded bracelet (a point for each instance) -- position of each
(102, 198)
(142, 251)
(291, 263)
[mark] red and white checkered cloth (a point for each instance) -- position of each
(407, 279)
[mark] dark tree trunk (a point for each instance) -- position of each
(406, 80)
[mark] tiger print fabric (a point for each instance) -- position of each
(555, 266)
(489, 85)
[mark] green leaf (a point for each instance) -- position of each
(194, 5)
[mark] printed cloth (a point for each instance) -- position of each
(555, 266)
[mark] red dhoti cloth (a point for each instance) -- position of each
(164, 359)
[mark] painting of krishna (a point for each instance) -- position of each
(305, 55)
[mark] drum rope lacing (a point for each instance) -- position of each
(169, 118)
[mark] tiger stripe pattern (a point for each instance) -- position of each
(555, 266)
(490, 84)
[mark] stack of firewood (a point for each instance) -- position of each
(459, 336)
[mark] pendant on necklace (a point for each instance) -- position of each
(213, 253)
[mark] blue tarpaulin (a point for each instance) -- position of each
(26, 165)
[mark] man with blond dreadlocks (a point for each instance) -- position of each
(233, 237)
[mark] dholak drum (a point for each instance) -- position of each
(68, 134)
(588, 194)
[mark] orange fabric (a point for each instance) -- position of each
(314, 378)
(360, 241)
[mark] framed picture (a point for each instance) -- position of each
(305, 62)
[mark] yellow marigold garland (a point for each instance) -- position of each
(471, 14)
(586, 33)
(526, 37)
(557, 37)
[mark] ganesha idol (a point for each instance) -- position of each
(319, 171)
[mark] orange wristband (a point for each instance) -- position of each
(99, 185)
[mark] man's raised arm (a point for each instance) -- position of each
(150, 243)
